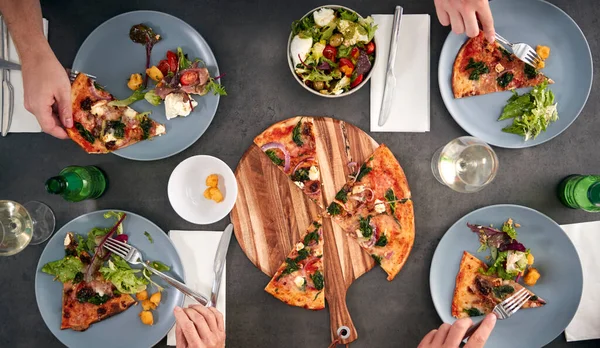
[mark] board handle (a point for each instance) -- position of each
(342, 327)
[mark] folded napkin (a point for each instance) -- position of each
(197, 251)
(586, 323)
(410, 107)
(22, 121)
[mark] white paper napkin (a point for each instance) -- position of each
(586, 323)
(22, 121)
(197, 251)
(410, 107)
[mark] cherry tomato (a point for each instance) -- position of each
(370, 47)
(173, 60)
(346, 66)
(188, 78)
(355, 53)
(356, 81)
(330, 52)
(164, 67)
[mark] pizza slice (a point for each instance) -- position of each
(374, 208)
(291, 146)
(477, 294)
(99, 127)
(482, 67)
(299, 281)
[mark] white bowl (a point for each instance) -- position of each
(188, 183)
(291, 63)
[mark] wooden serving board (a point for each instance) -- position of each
(271, 212)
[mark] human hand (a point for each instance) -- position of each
(48, 92)
(199, 327)
(463, 15)
(450, 336)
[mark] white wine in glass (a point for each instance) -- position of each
(465, 164)
(21, 225)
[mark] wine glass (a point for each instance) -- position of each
(465, 164)
(21, 225)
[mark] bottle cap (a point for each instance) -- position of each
(55, 185)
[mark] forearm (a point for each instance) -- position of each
(24, 21)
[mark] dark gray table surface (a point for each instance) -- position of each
(248, 38)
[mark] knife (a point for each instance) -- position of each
(7, 88)
(219, 265)
(390, 78)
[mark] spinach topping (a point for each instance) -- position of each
(504, 80)
(391, 198)
(533, 298)
(296, 134)
(342, 195)
(506, 54)
(364, 170)
(478, 69)
(530, 71)
(382, 241)
(78, 277)
(119, 128)
(88, 295)
(146, 125)
(473, 312)
(377, 258)
(316, 224)
(85, 134)
(86, 104)
(273, 156)
(365, 226)
(98, 300)
(503, 290)
(310, 237)
(302, 254)
(290, 267)
(301, 175)
(334, 209)
(318, 280)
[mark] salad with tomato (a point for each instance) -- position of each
(332, 50)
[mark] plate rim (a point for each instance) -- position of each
(218, 72)
(446, 46)
(101, 211)
(436, 254)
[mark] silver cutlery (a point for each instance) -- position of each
(219, 264)
(505, 309)
(5, 64)
(73, 74)
(522, 50)
(390, 78)
(8, 97)
(134, 257)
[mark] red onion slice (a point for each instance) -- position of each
(279, 146)
(371, 194)
(95, 93)
(388, 255)
(300, 163)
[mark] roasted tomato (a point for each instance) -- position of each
(330, 52)
(355, 53)
(370, 48)
(164, 67)
(356, 81)
(188, 78)
(172, 60)
(346, 66)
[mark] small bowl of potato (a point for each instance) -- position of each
(202, 189)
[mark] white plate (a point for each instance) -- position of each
(188, 183)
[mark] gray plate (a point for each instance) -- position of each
(570, 66)
(125, 329)
(560, 285)
(108, 54)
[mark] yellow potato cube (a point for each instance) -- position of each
(142, 295)
(543, 51)
(207, 193)
(154, 73)
(155, 298)
(147, 305)
(531, 277)
(147, 318)
(541, 65)
(135, 81)
(530, 259)
(212, 180)
(216, 195)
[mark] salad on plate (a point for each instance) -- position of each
(332, 50)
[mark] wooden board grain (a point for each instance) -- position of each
(271, 212)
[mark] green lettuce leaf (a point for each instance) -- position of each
(517, 106)
(65, 269)
(123, 277)
(152, 98)
(138, 94)
(184, 62)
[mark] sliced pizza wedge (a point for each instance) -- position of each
(375, 209)
(477, 294)
(99, 127)
(482, 67)
(291, 145)
(299, 281)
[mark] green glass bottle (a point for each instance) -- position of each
(75, 183)
(580, 192)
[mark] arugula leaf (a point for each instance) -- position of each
(216, 88)
(138, 94)
(65, 269)
(149, 237)
(184, 62)
(509, 229)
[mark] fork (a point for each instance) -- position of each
(522, 50)
(134, 257)
(73, 74)
(504, 309)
